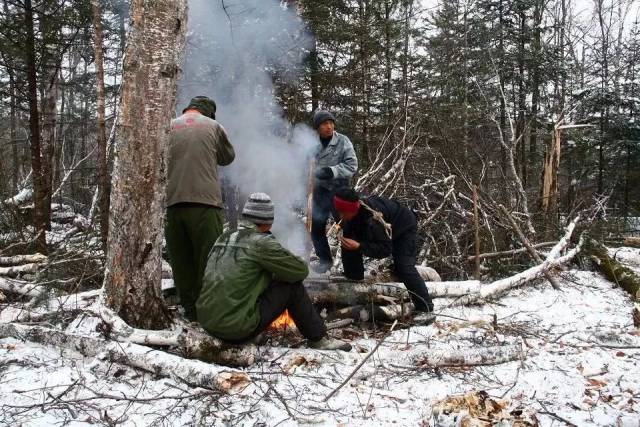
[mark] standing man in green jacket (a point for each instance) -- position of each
(198, 144)
(250, 280)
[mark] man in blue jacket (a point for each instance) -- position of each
(335, 165)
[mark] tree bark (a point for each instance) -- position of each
(157, 362)
(39, 215)
(133, 268)
(101, 136)
(612, 269)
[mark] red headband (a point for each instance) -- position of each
(345, 206)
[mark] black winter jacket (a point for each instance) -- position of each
(371, 235)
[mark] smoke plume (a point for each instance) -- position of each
(233, 47)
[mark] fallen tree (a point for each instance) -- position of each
(339, 290)
(19, 287)
(622, 276)
(193, 372)
(553, 260)
(190, 342)
(21, 259)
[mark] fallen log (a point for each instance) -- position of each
(21, 259)
(191, 343)
(193, 372)
(622, 276)
(18, 270)
(633, 242)
(339, 290)
(19, 287)
(25, 195)
(491, 290)
(636, 315)
(64, 304)
(527, 245)
(483, 356)
(418, 358)
(372, 312)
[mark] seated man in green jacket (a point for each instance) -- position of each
(250, 279)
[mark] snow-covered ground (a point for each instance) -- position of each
(581, 366)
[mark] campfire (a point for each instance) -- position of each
(285, 321)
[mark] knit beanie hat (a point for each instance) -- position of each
(322, 116)
(258, 209)
(204, 104)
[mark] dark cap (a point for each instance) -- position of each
(322, 116)
(204, 104)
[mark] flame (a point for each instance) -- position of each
(283, 321)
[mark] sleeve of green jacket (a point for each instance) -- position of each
(276, 259)
(224, 151)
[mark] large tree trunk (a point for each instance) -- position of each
(39, 214)
(101, 137)
(133, 273)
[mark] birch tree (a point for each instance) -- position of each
(151, 65)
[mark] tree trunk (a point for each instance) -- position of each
(157, 362)
(612, 269)
(101, 137)
(133, 268)
(49, 118)
(39, 214)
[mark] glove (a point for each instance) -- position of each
(324, 173)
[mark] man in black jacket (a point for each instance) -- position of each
(378, 227)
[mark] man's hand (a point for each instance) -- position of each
(324, 173)
(349, 244)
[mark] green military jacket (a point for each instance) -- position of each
(198, 144)
(241, 265)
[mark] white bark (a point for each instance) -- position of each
(17, 270)
(192, 343)
(25, 195)
(52, 307)
(19, 287)
(21, 259)
(194, 372)
(552, 260)
(431, 358)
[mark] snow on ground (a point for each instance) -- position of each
(582, 367)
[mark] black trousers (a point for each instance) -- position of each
(322, 209)
(281, 296)
(404, 266)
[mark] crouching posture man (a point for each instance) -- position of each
(378, 227)
(250, 279)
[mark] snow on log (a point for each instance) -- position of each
(477, 356)
(28, 289)
(553, 259)
(193, 344)
(421, 357)
(193, 372)
(25, 195)
(21, 259)
(17, 270)
(60, 304)
(617, 273)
